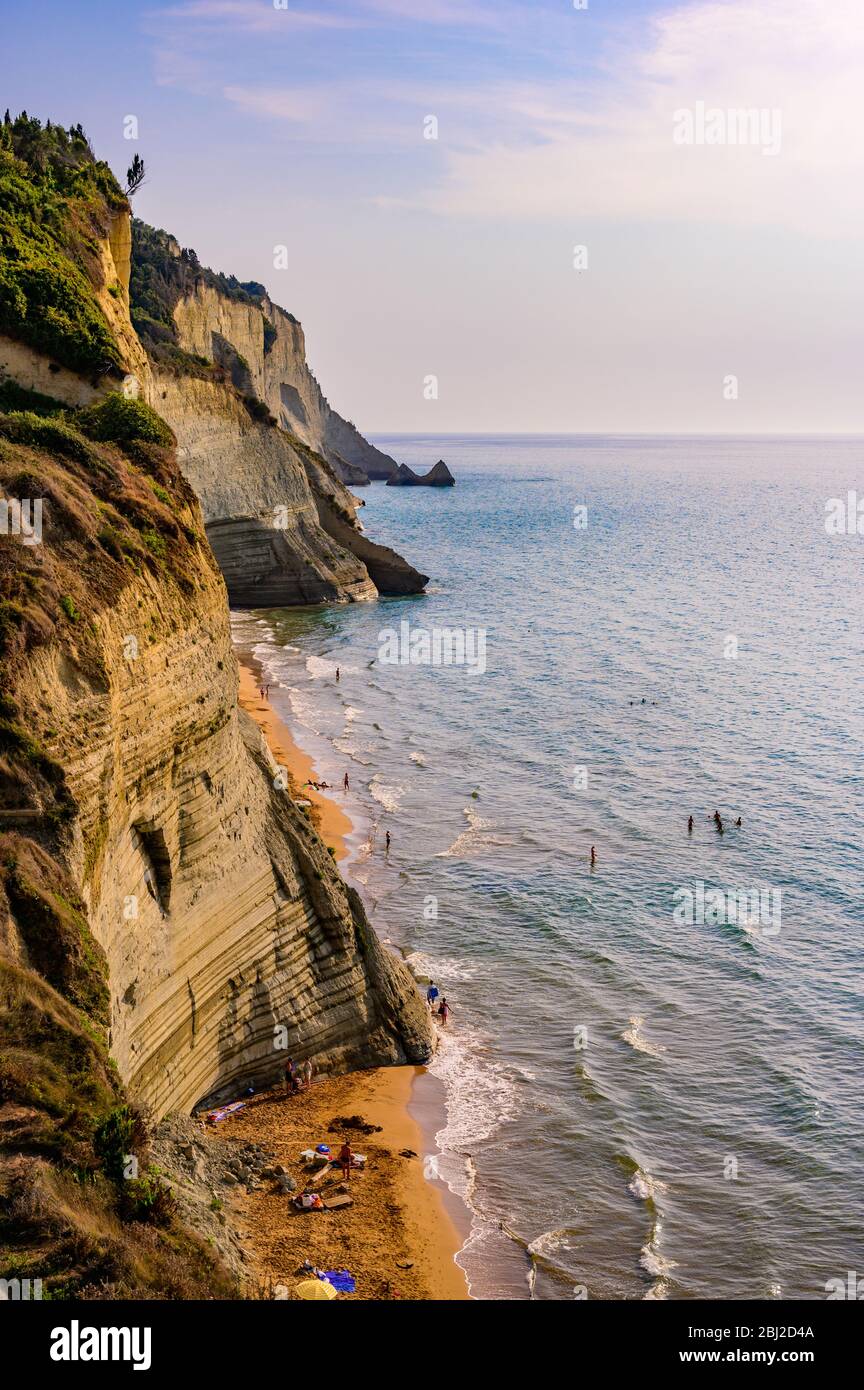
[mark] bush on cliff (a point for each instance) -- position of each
(116, 420)
(56, 200)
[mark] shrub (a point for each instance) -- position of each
(15, 397)
(117, 420)
(52, 194)
(55, 436)
(119, 1134)
(68, 606)
(147, 1199)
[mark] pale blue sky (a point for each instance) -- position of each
(409, 257)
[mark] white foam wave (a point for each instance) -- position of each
(443, 968)
(305, 710)
(419, 759)
(644, 1186)
(480, 1095)
(550, 1243)
(475, 839)
(388, 797)
(319, 666)
(635, 1038)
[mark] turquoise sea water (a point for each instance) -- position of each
(638, 1105)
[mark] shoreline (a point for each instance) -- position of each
(407, 1216)
(333, 824)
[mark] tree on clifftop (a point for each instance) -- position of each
(135, 175)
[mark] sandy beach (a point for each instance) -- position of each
(330, 820)
(398, 1238)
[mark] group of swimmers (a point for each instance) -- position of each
(718, 822)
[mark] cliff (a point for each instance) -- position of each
(171, 925)
(256, 438)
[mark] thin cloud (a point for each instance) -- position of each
(610, 153)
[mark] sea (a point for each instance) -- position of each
(653, 1066)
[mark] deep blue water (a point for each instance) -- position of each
(710, 1050)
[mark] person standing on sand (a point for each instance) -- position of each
(290, 1076)
(307, 1071)
(345, 1157)
(444, 1011)
(387, 841)
(346, 785)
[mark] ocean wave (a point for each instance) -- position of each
(318, 666)
(443, 968)
(481, 1097)
(652, 1260)
(418, 758)
(388, 797)
(645, 1186)
(634, 1037)
(305, 710)
(351, 712)
(356, 751)
(475, 839)
(550, 1243)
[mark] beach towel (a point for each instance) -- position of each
(214, 1116)
(340, 1279)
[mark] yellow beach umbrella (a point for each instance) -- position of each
(319, 1289)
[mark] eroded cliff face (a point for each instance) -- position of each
(273, 346)
(259, 506)
(171, 925)
(257, 440)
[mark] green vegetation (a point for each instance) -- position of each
(15, 397)
(147, 1199)
(118, 420)
(56, 200)
(68, 606)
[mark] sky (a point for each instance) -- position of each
(503, 215)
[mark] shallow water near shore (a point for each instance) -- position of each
(637, 1106)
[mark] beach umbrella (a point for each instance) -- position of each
(315, 1289)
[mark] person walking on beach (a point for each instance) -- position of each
(387, 841)
(290, 1076)
(346, 785)
(431, 994)
(444, 1011)
(345, 1157)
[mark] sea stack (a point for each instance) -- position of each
(439, 476)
